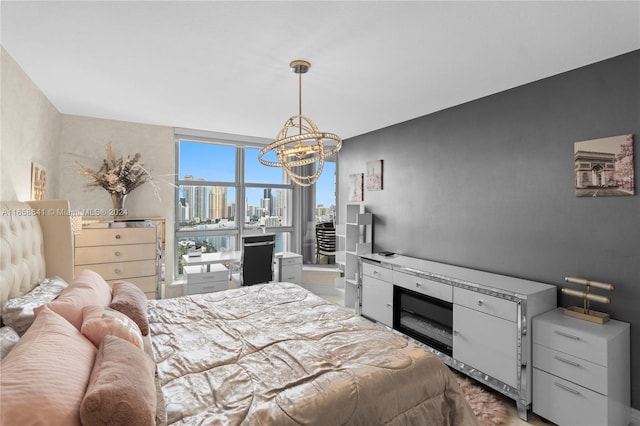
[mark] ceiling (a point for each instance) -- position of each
(224, 66)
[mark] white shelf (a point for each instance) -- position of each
(354, 238)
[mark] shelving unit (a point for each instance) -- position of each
(354, 238)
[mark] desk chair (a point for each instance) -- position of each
(256, 264)
(325, 241)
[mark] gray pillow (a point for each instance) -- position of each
(18, 314)
(8, 339)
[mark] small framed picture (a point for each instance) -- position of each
(604, 167)
(355, 187)
(38, 182)
(374, 175)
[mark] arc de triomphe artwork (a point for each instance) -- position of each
(604, 167)
(594, 169)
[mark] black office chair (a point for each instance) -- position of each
(256, 264)
(326, 241)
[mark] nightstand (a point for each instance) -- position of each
(206, 278)
(288, 267)
(581, 370)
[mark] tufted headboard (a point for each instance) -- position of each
(35, 242)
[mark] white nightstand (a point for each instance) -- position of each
(288, 267)
(205, 278)
(581, 370)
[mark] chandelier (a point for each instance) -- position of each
(305, 146)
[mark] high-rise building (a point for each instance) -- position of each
(199, 204)
(218, 203)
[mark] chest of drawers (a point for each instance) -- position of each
(126, 251)
(581, 370)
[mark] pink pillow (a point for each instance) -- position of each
(131, 301)
(44, 377)
(100, 321)
(88, 288)
(122, 389)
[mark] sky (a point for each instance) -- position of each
(211, 162)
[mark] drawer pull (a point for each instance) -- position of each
(376, 272)
(117, 253)
(118, 236)
(566, 361)
(570, 336)
(117, 271)
(418, 285)
(480, 302)
(567, 388)
(388, 305)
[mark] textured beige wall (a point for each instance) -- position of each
(32, 130)
(30, 127)
(84, 139)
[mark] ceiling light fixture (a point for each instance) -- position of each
(308, 146)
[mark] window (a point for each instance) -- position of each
(224, 192)
(326, 194)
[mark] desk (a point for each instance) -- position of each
(211, 258)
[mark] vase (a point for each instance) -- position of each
(118, 200)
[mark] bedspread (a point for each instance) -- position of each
(277, 354)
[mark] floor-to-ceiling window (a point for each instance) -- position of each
(224, 192)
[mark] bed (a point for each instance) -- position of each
(272, 354)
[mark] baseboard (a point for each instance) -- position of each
(322, 290)
(635, 417)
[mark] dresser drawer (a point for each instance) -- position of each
(296, 260)
(146, 284)
(115, 236)
(205, 287)
(566, 403)
(423, 285)
(121, 270)
(376, 271)
(109, 254)
(571, 340)
(291, 274)
(574, 369)
(485, 303)
(197, 274)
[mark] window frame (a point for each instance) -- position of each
(290, 232)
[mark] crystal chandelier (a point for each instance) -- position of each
(306, 146)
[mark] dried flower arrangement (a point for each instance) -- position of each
(117, 176)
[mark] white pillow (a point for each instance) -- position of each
(18, 313)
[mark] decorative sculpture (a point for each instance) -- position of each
(586, 313)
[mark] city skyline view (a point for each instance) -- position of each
(207, 204)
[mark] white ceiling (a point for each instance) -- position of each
(223, 66)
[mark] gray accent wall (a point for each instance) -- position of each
(489, 185)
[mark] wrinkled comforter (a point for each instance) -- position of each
(277, 354)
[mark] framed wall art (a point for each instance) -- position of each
(604, 167)
(374, 175)
(38, 182)
(355, 187)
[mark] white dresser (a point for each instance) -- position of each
(476, 322)
(581, 370)
(127, 251)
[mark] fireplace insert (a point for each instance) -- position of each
(425, 318)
